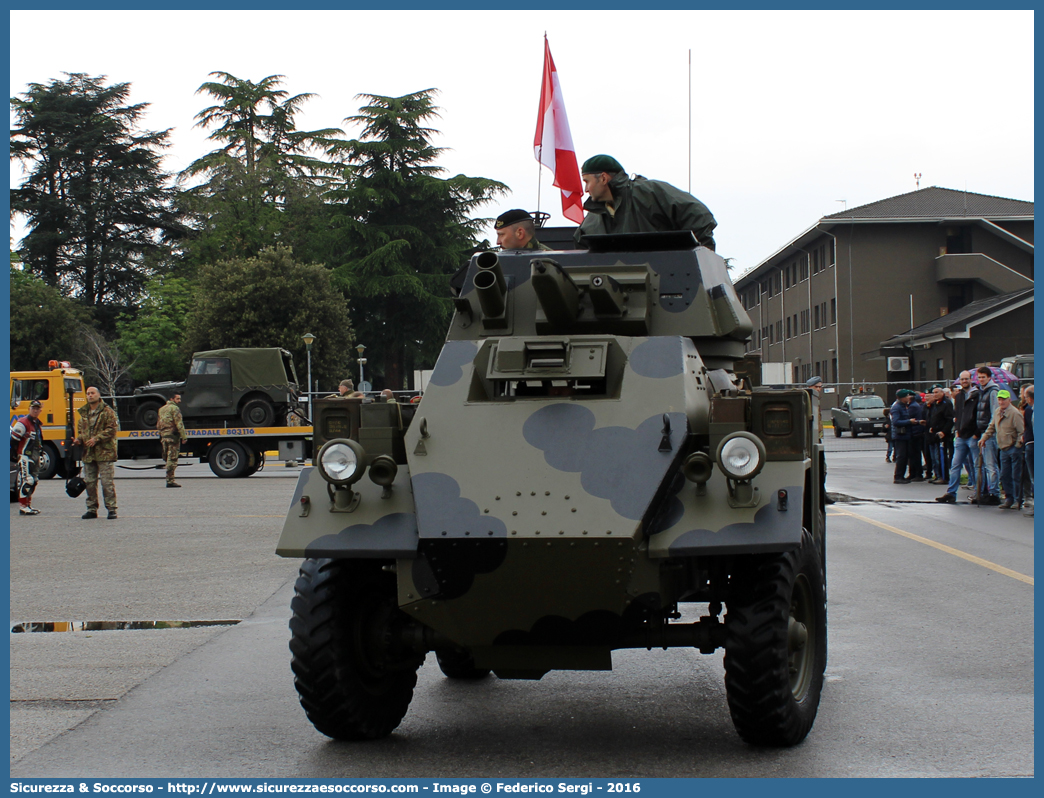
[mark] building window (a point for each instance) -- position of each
(779, 330)
(805, 316)
(789, 334)
(833, 310)
(830, 252)
(815, 318)
(815, 261)
(833, 369)
(940, 372)
(803, 266)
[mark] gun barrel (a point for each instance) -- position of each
(490, 294)
(558, 294)
(489, 262)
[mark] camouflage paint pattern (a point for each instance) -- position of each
(541, 522)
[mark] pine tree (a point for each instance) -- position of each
(406, 230)
(95, 199)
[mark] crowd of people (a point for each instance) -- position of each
(975, 426)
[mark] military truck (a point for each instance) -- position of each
(593, 465)
(248, 387)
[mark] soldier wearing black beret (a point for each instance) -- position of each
(516, 230)
(618, 204)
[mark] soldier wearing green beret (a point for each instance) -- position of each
(516, 230)
(618, 204)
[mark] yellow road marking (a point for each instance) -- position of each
(941, 547)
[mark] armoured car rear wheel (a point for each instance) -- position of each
(459, 664)
(354, 684)
(775, 647)
(257, 413)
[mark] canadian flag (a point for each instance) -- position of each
(553, 145)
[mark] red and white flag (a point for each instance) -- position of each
(553, 145)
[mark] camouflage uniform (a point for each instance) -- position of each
(172, 435)
(98, 460)
(642, 205)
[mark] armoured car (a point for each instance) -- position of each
(593, 455)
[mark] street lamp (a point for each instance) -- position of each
(308, 339)
(362, 362)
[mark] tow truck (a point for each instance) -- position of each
(231, 451)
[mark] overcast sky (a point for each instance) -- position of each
(792, 112)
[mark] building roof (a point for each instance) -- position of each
(933, 204)
(958, 324)
(938, 203)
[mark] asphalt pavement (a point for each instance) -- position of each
(930, 672)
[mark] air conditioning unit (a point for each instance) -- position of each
(898, 364)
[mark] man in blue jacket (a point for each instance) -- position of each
(905, 417)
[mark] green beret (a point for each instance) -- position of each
(600, 163)
(512, 217)
(902, 392)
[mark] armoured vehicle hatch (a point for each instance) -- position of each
(593, 453)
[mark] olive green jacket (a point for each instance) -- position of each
(169, 422)
(100, 424)
(534, 244)
(644, 206)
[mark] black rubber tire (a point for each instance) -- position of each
(459, 664)
(853, 433)
(146, 415)
(257, 413)
(49, 462)
(229, 459)
(837, 430)
(772, 681)
(258, 464)
(351, 685)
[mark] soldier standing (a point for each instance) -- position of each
(26, 440)
(172, 434)
(96, 431)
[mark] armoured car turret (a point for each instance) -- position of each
(592, 454)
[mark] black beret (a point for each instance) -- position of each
(513, 216)
(600, 163)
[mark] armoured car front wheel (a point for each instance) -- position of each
(775, 645)
(837, 430)
(353, 680)
(459, 664)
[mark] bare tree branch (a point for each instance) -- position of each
(102, 362)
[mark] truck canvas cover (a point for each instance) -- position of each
(253, 368)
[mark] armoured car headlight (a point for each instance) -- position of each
(341, 461)
(741, 456)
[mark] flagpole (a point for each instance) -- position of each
(540, 165)
(690, 120)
